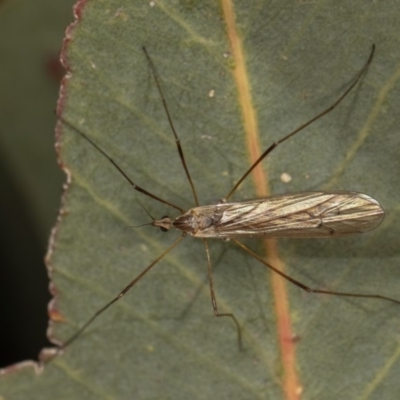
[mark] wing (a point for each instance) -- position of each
(298, 215)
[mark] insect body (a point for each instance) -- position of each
(298, 215)
(319, 214)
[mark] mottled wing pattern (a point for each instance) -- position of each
(298, 215)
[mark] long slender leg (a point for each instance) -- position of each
(214, 300)
(301, 127)
(177, 141)
(122, 172)
(119, 296)
(308, 289)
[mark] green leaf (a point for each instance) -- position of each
(162, 340)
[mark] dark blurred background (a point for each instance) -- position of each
(31, 34)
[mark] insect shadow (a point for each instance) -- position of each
(315, 214)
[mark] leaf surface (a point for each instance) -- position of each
(162, 340)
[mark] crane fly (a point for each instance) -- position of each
(319, 214)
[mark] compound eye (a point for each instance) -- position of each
(163, 228)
